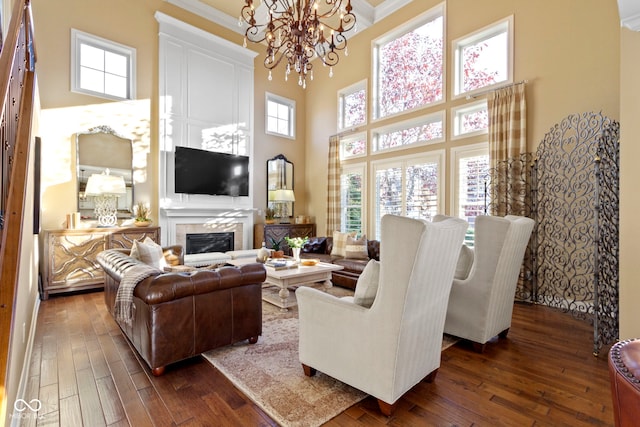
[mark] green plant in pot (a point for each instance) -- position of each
(142, 212)
(275, 245)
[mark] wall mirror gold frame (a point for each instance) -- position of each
(98, 149)
(279, 177)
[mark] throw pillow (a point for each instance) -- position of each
(465, 261)
(340, 243)
(357, 248)
(149, 252)
(367, 284)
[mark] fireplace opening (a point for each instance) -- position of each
(201, 243)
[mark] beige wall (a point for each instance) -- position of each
(629, 178)
(568, 51)
(65, 113)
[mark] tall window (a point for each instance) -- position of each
(470, 119)
(408, 65)
(354, 145)
(470, 174)
(281, 113)
(101, 67)
(408, 186)
(352, 198)
(425, 129)
(352, 106)
(484, 58)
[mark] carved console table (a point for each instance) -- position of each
(68, 262)
(276, 232)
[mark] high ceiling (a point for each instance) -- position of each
(226, 12)
(232, 7)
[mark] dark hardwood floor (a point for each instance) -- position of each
(86, 374)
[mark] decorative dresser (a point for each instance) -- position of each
(68, 262)
(277, 232)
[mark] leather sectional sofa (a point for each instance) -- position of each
(321, 247)
(178, 315)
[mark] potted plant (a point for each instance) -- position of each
(275, 245)
(142, 212)
(296, 244)
(269, 216)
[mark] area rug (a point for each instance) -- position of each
(270, 374)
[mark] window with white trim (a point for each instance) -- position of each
(408, 186)
(421, 130)
(352, 197)
(484, 58)
(408, 65)
(280, 116)
(470, 173)
(101, 67)
(470, 119)
(354, 145)
(352, 106)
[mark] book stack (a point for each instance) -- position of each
(281, 263)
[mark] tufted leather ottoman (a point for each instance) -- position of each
(624, 371)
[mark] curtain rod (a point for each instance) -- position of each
(474, 96)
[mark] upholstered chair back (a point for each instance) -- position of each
(387, 348)
(481, 305)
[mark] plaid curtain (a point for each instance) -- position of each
(507, 143)
(333, 186)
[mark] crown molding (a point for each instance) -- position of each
(208, 12)
(387, 7)
(366, 14)
(629, 11)
(631, 22)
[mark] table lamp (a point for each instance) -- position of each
(105, 189)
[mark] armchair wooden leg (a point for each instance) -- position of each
(158, 371)
(308, 370)
(504, 333)
(387, 408)
(477, 347)
(432, 376)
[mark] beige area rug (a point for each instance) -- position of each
(270, 374)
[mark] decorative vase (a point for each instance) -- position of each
(277, 254)
(263, 254)
(296, 253)
(142, 223)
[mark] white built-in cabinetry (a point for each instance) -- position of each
(206, 102)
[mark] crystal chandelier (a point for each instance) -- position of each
(298, 31)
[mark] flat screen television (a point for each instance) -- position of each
(207, 172)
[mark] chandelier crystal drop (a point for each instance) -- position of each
(299, 31)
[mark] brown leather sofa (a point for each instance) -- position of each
(624, 371)
(181, 315)
(320, 248)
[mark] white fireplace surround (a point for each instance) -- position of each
(177, 223)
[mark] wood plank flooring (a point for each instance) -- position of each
(86, 374)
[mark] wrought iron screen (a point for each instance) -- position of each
(575, 194)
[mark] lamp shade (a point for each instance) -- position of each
(100, 184)
(284, 195)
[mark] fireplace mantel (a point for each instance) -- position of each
(175, 221)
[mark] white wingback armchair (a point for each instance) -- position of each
(481, 304)
(386, 349)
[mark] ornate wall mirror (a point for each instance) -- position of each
(98, 149)
(280, 177)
